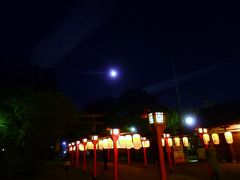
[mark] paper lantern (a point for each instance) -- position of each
(74, 148)
(90, 145)
(146, 143)
(70, 148)
(215, 138)
(228, 137)
(185, 141)
(177, 141)
(128, 140)
(122, 142)
(100, 144)
(206, 138)
(169, 140)
(205, 130)
(105, 143)
(163, 142)
(137, 144)
(200, 130)
(81, 147)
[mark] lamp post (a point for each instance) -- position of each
(145, 145)
(84, 142)
(115, 135)
(73, 145)
(95, 141)
(168, 141)
(77, 153)
(158, 121)
(201, 132)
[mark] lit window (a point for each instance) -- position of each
(159, 117)
(150, 118)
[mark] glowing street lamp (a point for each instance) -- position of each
(158, 120)
(95, 141)
(84, 142)
(115, 135)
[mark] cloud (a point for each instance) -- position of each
(182, 79)
(79, 24)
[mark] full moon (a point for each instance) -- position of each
(113, 73)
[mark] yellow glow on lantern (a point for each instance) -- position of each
(128, 140)
(228, 137)
(206, 138)
(177, 141)
(105, 143)
(122, 142)
(137, 144)
(100, 144)
(170, 143)
(70, 149)
(215, 138)
(81, 147)
(74, 148)
(146, 143)
(90, 145)
(185, 141)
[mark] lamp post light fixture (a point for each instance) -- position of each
(84, 142)
(95, 141)
(115, 135)
(158, 120)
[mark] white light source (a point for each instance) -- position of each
(190, 121)
(132, 129)
(113, 73)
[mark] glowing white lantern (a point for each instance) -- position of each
(90, 145)
(105, 143)
(215, 138)
(81, 147)
(228, 137)
(74, 148)
(169, 140)
(146, 143)
(137, 144)
(206, 138)
(177, 141)
(100, 144)
(185, 141)
(128, 140)
(122, 142)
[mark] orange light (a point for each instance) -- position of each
(228, 137)
(177, 141)
(128, 140)
(170, 143)
(137, 144)
(185, 141)
(206, 138)
(215, 138)
(146, 143)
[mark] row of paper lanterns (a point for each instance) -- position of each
(176, 140)
(206, 138)
(125, 142)
(215, 138)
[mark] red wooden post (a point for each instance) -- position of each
(145, 156)
(129, 156)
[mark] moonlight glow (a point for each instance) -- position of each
(113, 73)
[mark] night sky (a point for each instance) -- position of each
(77, 42)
